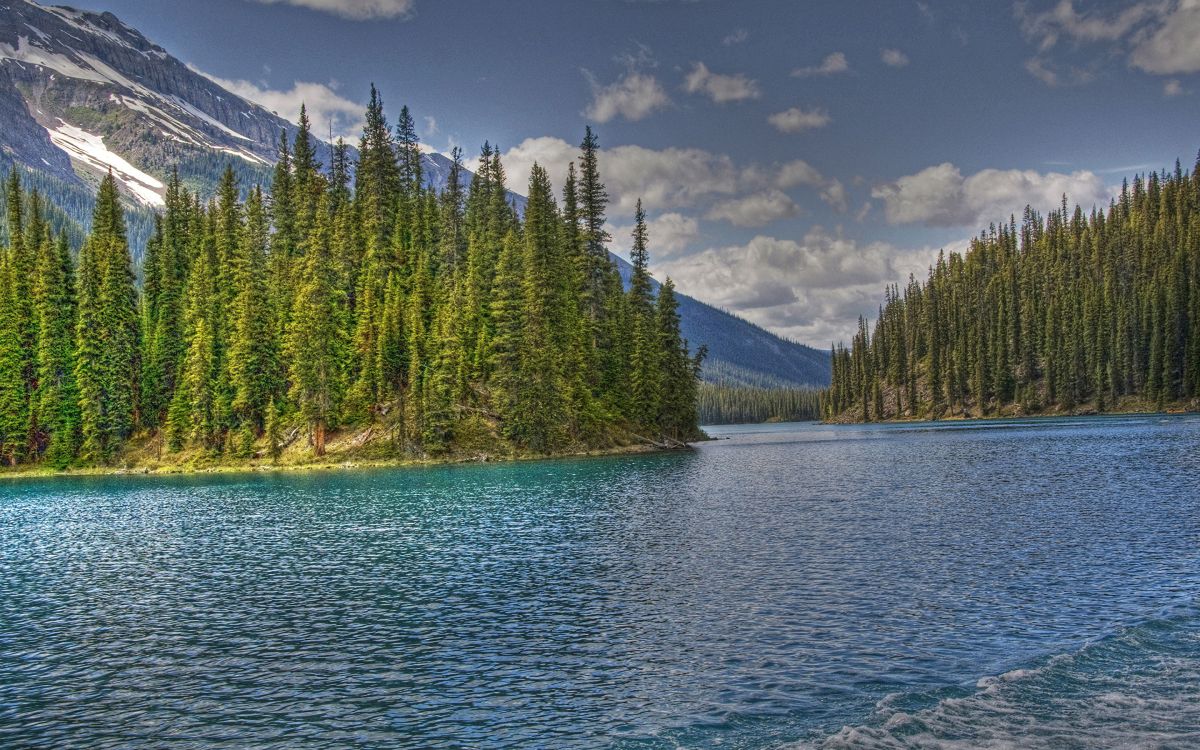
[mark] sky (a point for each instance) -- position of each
(794, 158)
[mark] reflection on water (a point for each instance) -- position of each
(769, 588)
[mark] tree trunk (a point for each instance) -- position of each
(319, 438)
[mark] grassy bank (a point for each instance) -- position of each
(359, 448)
(1129, 405)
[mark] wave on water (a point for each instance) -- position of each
(1137, 688)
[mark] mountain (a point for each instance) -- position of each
(82, 93)
(740, 352)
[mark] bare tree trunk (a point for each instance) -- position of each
(319, 438)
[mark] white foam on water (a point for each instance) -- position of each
(1139, 688)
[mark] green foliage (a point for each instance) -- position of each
(1059, 313)
(107, 361)
(738, 404)
(349, 298)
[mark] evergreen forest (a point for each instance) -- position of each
(738, 404)
(1071, 312)
(349, 298)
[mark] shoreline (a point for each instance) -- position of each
(258, 466)
(1132, 409)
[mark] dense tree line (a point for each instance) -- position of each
(1061, 312)
(352, 295)
(738, 404)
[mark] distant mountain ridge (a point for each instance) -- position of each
(82, 93)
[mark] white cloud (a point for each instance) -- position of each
(755, 210)
(797, 120)
(833, 63)
(893, 58)
(1160, 37)
(941, 196)
(322, 101)
(355, 10)
(1062, 20)
(812, 290)
(798, 172)
(633, 96)
(1174, 47)
(670, 234)
(737, 36)
(834, 195)
(720, 88)
(1173, 88)
(666, 179)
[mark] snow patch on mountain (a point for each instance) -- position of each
(89, 149)
(199, 115)
(32, 54)
(81, 22)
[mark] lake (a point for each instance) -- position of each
(1027, 583)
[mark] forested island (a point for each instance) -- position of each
(1066, 313)
(348, 310)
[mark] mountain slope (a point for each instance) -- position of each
(741, 353)
(82, 93)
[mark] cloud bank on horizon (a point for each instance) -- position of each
(793, 161)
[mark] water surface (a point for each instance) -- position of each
(955, 585)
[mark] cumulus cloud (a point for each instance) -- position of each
(834, 195)
(665, 179)
(1160, 37)
(1173, 88)
(755, 210)
(797, 120)
(1063, 20)
(634, 96)
(797, 172)
(720, 88)
(893, 58)
(941, 196)
(355, 10)
(1174, 46)
(670, 234)
(324, 104)
(832, 64)
(812, 290)
(737, 36)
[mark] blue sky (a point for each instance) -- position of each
(794, 157)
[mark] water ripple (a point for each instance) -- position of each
(767, 589)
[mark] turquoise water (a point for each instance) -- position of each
(1014, 584)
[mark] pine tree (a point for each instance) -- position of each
(107, 331)
(506, 344)
(408, 150)
(58, 398)
(14, 399)
(593, 200)
(678, 418)
(316, 347)
(273, 432)
(540, 394)
(253, 359)
(645, 353)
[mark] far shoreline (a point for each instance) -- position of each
(1134, 409)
